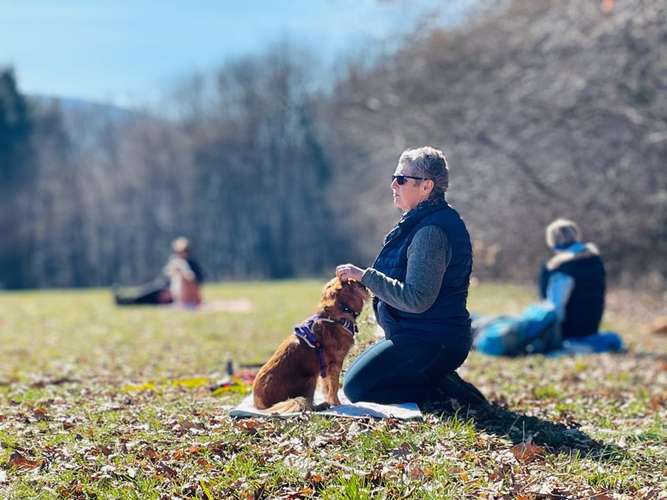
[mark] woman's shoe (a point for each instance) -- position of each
(453, 386)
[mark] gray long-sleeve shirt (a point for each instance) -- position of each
(429, 254)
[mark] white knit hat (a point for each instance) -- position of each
(562, 233)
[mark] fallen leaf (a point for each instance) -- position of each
(374, 476)
(40, 413)
(417, 472)
(191, 383)
(165, 470)
(18, 461)
(72, 490)
(658, 401)
(306, 491)
(316, 478)
(148, 386)
(527, 452)
(501, 471)
(249, 425)
(104, 450)
(402, 451)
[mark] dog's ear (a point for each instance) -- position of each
(329, 293)
(364, 293)
(358, 289)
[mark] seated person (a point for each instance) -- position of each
(574, 280)
(572, 286)
(179, 282)
(184, 275)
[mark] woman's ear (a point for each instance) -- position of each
(428, 185)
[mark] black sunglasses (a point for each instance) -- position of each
(402, 179)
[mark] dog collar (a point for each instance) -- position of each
(349, 325)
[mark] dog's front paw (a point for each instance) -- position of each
(322, 406)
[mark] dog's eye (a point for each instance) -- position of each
(348, 309)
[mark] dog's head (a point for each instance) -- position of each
(343, 299)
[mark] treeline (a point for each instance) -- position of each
(240, 170)
(545, 108)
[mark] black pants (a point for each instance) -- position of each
(400, 370)
(149, 294)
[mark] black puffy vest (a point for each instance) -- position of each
(447, 321)
(586, 303)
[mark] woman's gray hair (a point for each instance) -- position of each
(562, 233)
(430, 163)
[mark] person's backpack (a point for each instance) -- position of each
(534, 331)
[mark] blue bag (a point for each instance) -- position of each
(534, 331)
(602, 342)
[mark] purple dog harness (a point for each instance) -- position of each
(304, 331)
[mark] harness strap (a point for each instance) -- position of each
(304, 331)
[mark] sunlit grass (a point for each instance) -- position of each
(114, 402)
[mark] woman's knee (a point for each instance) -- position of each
(352, 387)
(369, 370)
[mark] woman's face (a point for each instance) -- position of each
(412, 192)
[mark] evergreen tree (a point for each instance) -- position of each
(15, 132)
(15, 127)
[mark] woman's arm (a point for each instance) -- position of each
(428, 256)
(180, 266)
(558, 292)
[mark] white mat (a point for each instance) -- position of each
(362, 409)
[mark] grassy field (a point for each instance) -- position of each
(101, 402)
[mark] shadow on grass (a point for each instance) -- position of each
(650, 355)
(518, 427)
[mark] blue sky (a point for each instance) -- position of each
(132, 51)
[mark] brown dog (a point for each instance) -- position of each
(287, 382)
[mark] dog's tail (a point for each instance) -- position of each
(293, 405)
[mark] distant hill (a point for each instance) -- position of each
(85, 120)
(70, 105)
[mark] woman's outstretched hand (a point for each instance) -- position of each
(349, 272)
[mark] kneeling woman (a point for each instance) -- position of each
(420, 281)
